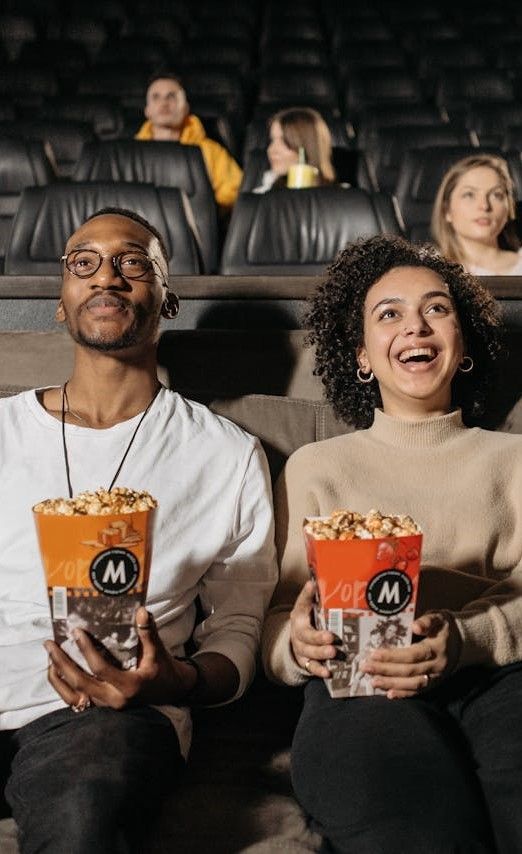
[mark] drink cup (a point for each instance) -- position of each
(302, 175)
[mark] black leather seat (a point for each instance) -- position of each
(22, 164)
(89, 31)
(47, 216)
(394, 115)
(64, 138)
(67, 58)
(15, 29)
(227, 52)
(386, 146)
(381, 86)
(311, 87)
(369, 54)
(28, 85)
(293, 51)
(127, 83)
(304, 29)
(162, 27)
(216, 84)
(103, 113)
(419, 178)
(359, 30)
(457, 88)
(7, 110)
(152, 52)
(164, 164)
(112, 12)
(299, 232)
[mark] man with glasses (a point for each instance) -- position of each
(168, 118)
(90, 752)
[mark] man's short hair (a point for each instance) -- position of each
(165, 74)
(137, 218)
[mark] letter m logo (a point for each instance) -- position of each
(389, 593)
(114, 574)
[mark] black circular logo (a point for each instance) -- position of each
(389, 592)
(114, 571)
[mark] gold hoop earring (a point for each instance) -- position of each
(170, 307)
(364, 378)
(466, 366)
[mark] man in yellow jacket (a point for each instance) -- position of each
(168, 118)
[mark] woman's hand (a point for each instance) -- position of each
(158, 678)
(310, 646)
(407, 671)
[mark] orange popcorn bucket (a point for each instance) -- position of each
(97, 570)
(366, 591)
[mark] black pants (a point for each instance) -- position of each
(91, 782)
(437, 774)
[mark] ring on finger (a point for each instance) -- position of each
(307, 664)
(82, 704)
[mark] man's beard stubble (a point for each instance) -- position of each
(130, 338)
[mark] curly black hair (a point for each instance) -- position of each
(335, 321)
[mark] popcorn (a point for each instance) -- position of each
(349, 525)
(99, 503)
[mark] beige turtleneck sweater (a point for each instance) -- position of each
(462, 486)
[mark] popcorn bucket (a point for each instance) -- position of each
(302, 175)
(97, 570)
(366, 591)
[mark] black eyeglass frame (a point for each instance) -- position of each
(116, 261)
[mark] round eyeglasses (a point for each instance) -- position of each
(84, 263)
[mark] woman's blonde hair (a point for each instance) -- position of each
(443, 231)
(305, 128)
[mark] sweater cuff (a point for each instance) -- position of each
(478, 640)
(278, 658)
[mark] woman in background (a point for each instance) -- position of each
(290, 130)
(473, 218)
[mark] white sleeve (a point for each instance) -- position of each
(236, 589)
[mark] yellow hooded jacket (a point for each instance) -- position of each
(224, 173)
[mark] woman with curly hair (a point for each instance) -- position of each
(406, 344)
(473, 220)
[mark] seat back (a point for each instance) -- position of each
(291, 86)
(102, 113)
(47, 216)
(385, 147)
(299, 232)
(23, 163)
(63, 139)
(456, 88)
(164, 164)
(380, 86)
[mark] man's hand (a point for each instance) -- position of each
(407, 671)
(159, 679)
(310, 646)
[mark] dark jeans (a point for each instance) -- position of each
(438, 774)
(89, 782)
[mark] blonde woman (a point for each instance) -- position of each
(473, 218)
(290, 130)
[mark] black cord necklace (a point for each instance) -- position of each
(127, 449)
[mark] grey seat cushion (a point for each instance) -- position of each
(282, 423)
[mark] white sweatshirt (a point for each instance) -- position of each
(213, 535)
